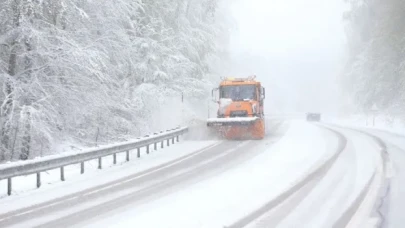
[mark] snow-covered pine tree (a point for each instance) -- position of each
(374, 73)
(94, 72)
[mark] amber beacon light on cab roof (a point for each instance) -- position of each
(241, 109)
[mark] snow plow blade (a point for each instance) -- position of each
(217, 122)
(238, 128)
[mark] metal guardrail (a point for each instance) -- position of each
(9, 171)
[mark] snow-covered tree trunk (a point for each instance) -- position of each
(8, 87)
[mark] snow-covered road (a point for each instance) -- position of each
(301, 175)
(350, 184)
(221, 200)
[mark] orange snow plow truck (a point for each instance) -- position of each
(240, 114)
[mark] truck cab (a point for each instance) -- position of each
(240, 98)
(241, 107)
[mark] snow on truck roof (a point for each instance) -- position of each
(231, 80)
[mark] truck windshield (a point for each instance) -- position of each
(239, 93)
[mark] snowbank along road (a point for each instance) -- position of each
(301, 175)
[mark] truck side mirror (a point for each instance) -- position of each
(213, 94)
(263, 93)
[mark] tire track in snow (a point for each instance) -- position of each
(381, 212)
(352, 217)
(213, 167)
(313, 177)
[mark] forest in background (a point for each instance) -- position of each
(375, 68)
(94, 72)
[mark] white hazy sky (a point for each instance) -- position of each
(294, 46)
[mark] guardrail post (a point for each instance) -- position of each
(139, 152)
(155, 147)
(100, 163)
(173, 140)
(82, 167)
(115, 159)
(38, 180)
(168, 142)
(178, 138)
(162, 145)
(9, 186)
(127, 155)
(147, 149)
(62, 173)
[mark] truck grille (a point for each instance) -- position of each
(239, 114)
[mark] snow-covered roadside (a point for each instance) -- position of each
(393, 135)
(26, 194)
(393, 206)
(393, 125)
(231, 195)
